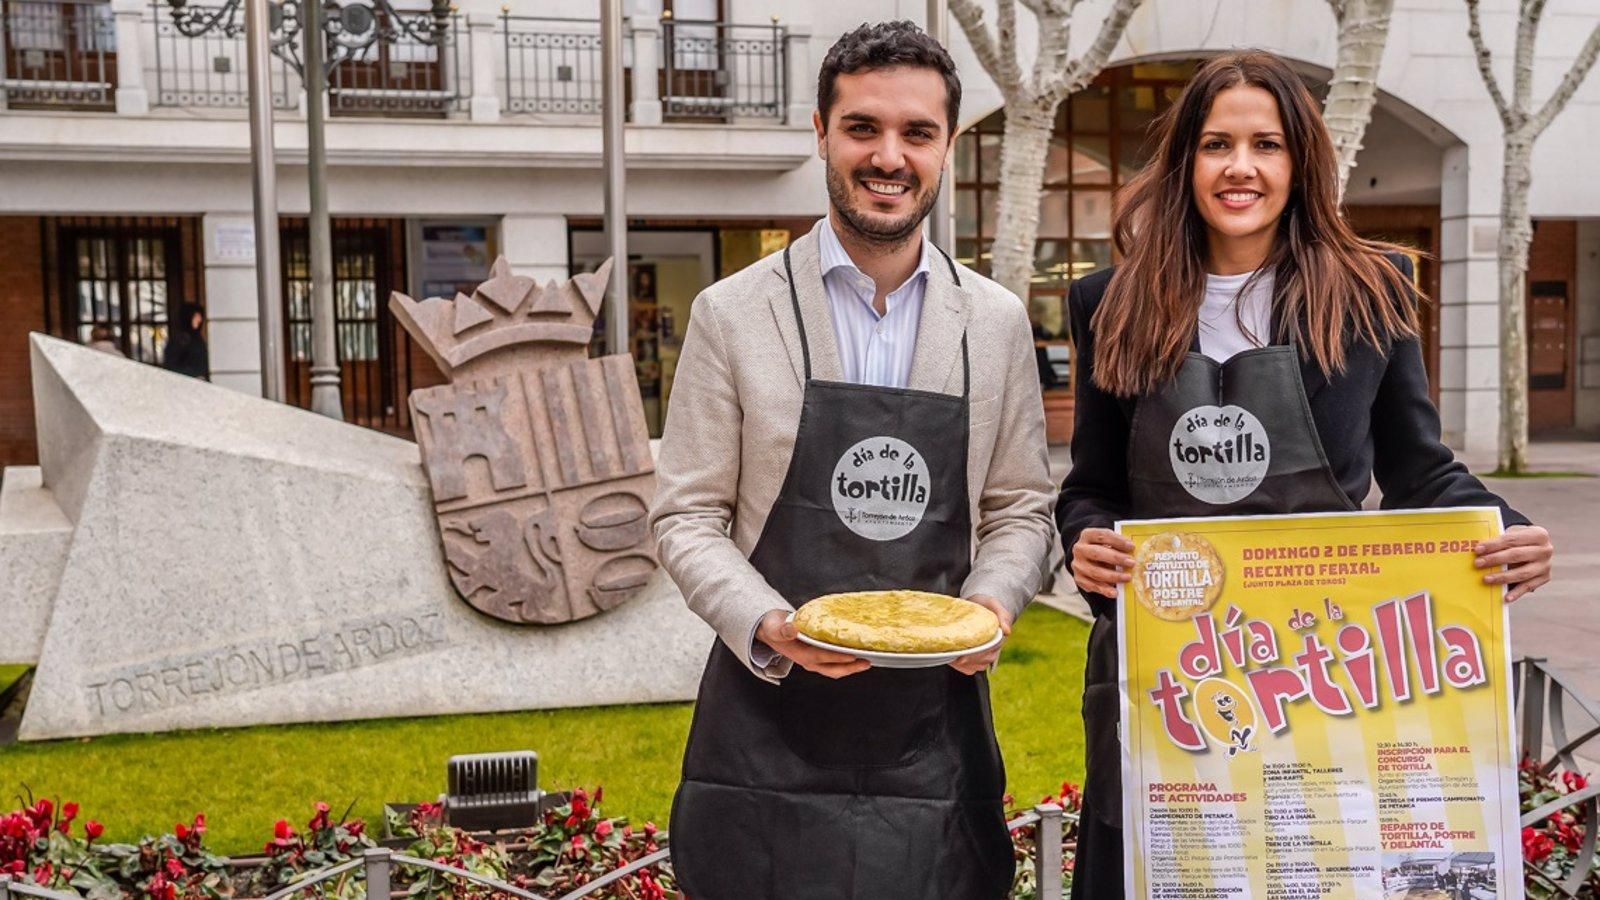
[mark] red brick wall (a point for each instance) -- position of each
(21, 311)
(1553, 256)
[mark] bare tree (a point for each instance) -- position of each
(1522, 122)
(1031, 99)
(1353, 90)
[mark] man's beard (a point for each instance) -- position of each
(890, 234)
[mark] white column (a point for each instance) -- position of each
(485, 106)
(132, 97)
(535, 245)
(1469, 304)
(801, 74)
(646, 42)
(234, 327)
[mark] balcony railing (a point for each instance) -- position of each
(208, 71)
(59, 54)
(717, 70)
(409, 78)
(63, 54)
(551, 65)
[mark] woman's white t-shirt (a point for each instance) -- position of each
(1231, 323)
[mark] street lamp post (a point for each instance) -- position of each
(319, 228)
(344, 32)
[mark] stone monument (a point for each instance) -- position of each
(538, 456)
(187, 556)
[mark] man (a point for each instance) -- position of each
(859, 356)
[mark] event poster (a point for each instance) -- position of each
(1317, 706)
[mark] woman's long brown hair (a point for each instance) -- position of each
(1331, 286)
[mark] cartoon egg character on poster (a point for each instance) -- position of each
(1226, 714)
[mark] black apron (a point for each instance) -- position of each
(1222, 439)
(881, 785)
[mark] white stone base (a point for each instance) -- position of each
(33, 548)
(240, 562)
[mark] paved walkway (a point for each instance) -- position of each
(1560, 621)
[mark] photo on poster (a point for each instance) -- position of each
(1439, 876)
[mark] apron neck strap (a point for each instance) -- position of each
(799, 320)
(805, 345)
(966, 368)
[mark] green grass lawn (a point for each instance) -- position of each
(245, 779)
(9, 674)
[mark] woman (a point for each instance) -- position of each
(186, 346)
(1239, 271)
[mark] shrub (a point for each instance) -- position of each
(1552, 849)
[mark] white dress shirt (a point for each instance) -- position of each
(873, 349)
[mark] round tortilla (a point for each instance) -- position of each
(897, 621)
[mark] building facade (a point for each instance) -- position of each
(125, 183)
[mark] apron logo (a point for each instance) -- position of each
(1220, 454)
(880, 488)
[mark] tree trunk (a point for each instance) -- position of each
(1353, 89)
(1029, 124)
(1516, 236)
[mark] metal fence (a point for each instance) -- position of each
(408, 77)
(718, 70)
(62, 54)
(1544, 699)
(208, 71)
(59, 54)
(378, 866)
(551, 65)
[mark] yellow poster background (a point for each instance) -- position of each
(1408, 793)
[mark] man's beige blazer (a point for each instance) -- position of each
(735, 406)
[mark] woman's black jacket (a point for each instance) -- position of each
(1374, 419)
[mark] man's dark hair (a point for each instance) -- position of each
(883, 46)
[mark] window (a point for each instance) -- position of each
(58, 54)
(1100, 140)
(374, 354)
(56, 26)
(127, 275)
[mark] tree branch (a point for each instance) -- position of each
(1005, 27)
(1486, 63)
(970, 16)
(1055, 46)
(1529, 14)
(1083, 69)
(1570, 83)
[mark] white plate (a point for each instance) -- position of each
(903, 660)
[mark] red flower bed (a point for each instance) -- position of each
(1552, 849)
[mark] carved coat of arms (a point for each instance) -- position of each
(538, 456)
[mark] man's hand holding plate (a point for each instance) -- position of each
(973, 663)
(780, 634)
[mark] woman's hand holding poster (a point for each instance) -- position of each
(1317, 706)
